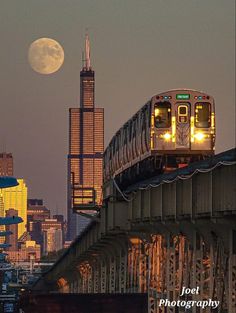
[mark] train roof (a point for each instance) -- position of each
(182, 89)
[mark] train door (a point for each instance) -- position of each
(182, 126)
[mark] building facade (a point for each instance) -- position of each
(52, 240)
(86, 146)
(28, 251)
(13, 238)
(36, 211)
(2, 214)
(51, 223)
(16, 198)
(6, 164)
(36, 214)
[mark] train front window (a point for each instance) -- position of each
(182, 113)
(202, 115)
(162, 112)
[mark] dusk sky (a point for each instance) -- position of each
(138, 49)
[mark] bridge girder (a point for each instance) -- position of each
(185, 233)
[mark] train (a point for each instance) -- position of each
(173, 129)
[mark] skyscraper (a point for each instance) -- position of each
(86, 146)
(6, 164)
(6, 169)
(16, 198)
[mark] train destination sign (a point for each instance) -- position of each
(182, 96)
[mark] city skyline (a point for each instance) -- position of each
(190, 44)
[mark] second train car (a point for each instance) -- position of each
(171, 130)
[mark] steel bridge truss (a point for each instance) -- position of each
(165, 238)
(160, 266)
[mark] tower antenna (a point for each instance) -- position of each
(87, 53)
(83, 60)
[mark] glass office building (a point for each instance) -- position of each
(16, 198)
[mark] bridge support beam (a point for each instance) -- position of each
(165, 237)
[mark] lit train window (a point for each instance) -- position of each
(182, 110)
(182, 114)
(149, 114)
(202, 114)
(162, 112)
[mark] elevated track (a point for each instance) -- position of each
(174, 230)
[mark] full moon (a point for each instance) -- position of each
(45, 55)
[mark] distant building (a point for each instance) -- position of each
(35, 202)
(16, 198)
(36, 211)
(34, 228)
(6, 164)
(36, 214)
(59, 217)
(86, 146)
(2, 214)
(13, 238)
(6, 169)
(28, 251)
(23, 238)
(52, 240)
(51, 223)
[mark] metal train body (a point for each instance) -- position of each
(171, 130)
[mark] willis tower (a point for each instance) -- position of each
(86, 146)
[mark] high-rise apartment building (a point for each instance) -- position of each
(86, 146)
(16, 198)
(6, 164)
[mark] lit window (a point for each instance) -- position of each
(183, 114)
(162, 112)
(202, 115)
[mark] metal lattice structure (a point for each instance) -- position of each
(165, 237)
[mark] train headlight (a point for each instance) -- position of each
(199, 136)
(167, 136)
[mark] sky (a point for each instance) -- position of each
(138, 49)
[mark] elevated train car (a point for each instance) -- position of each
(171, 130)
